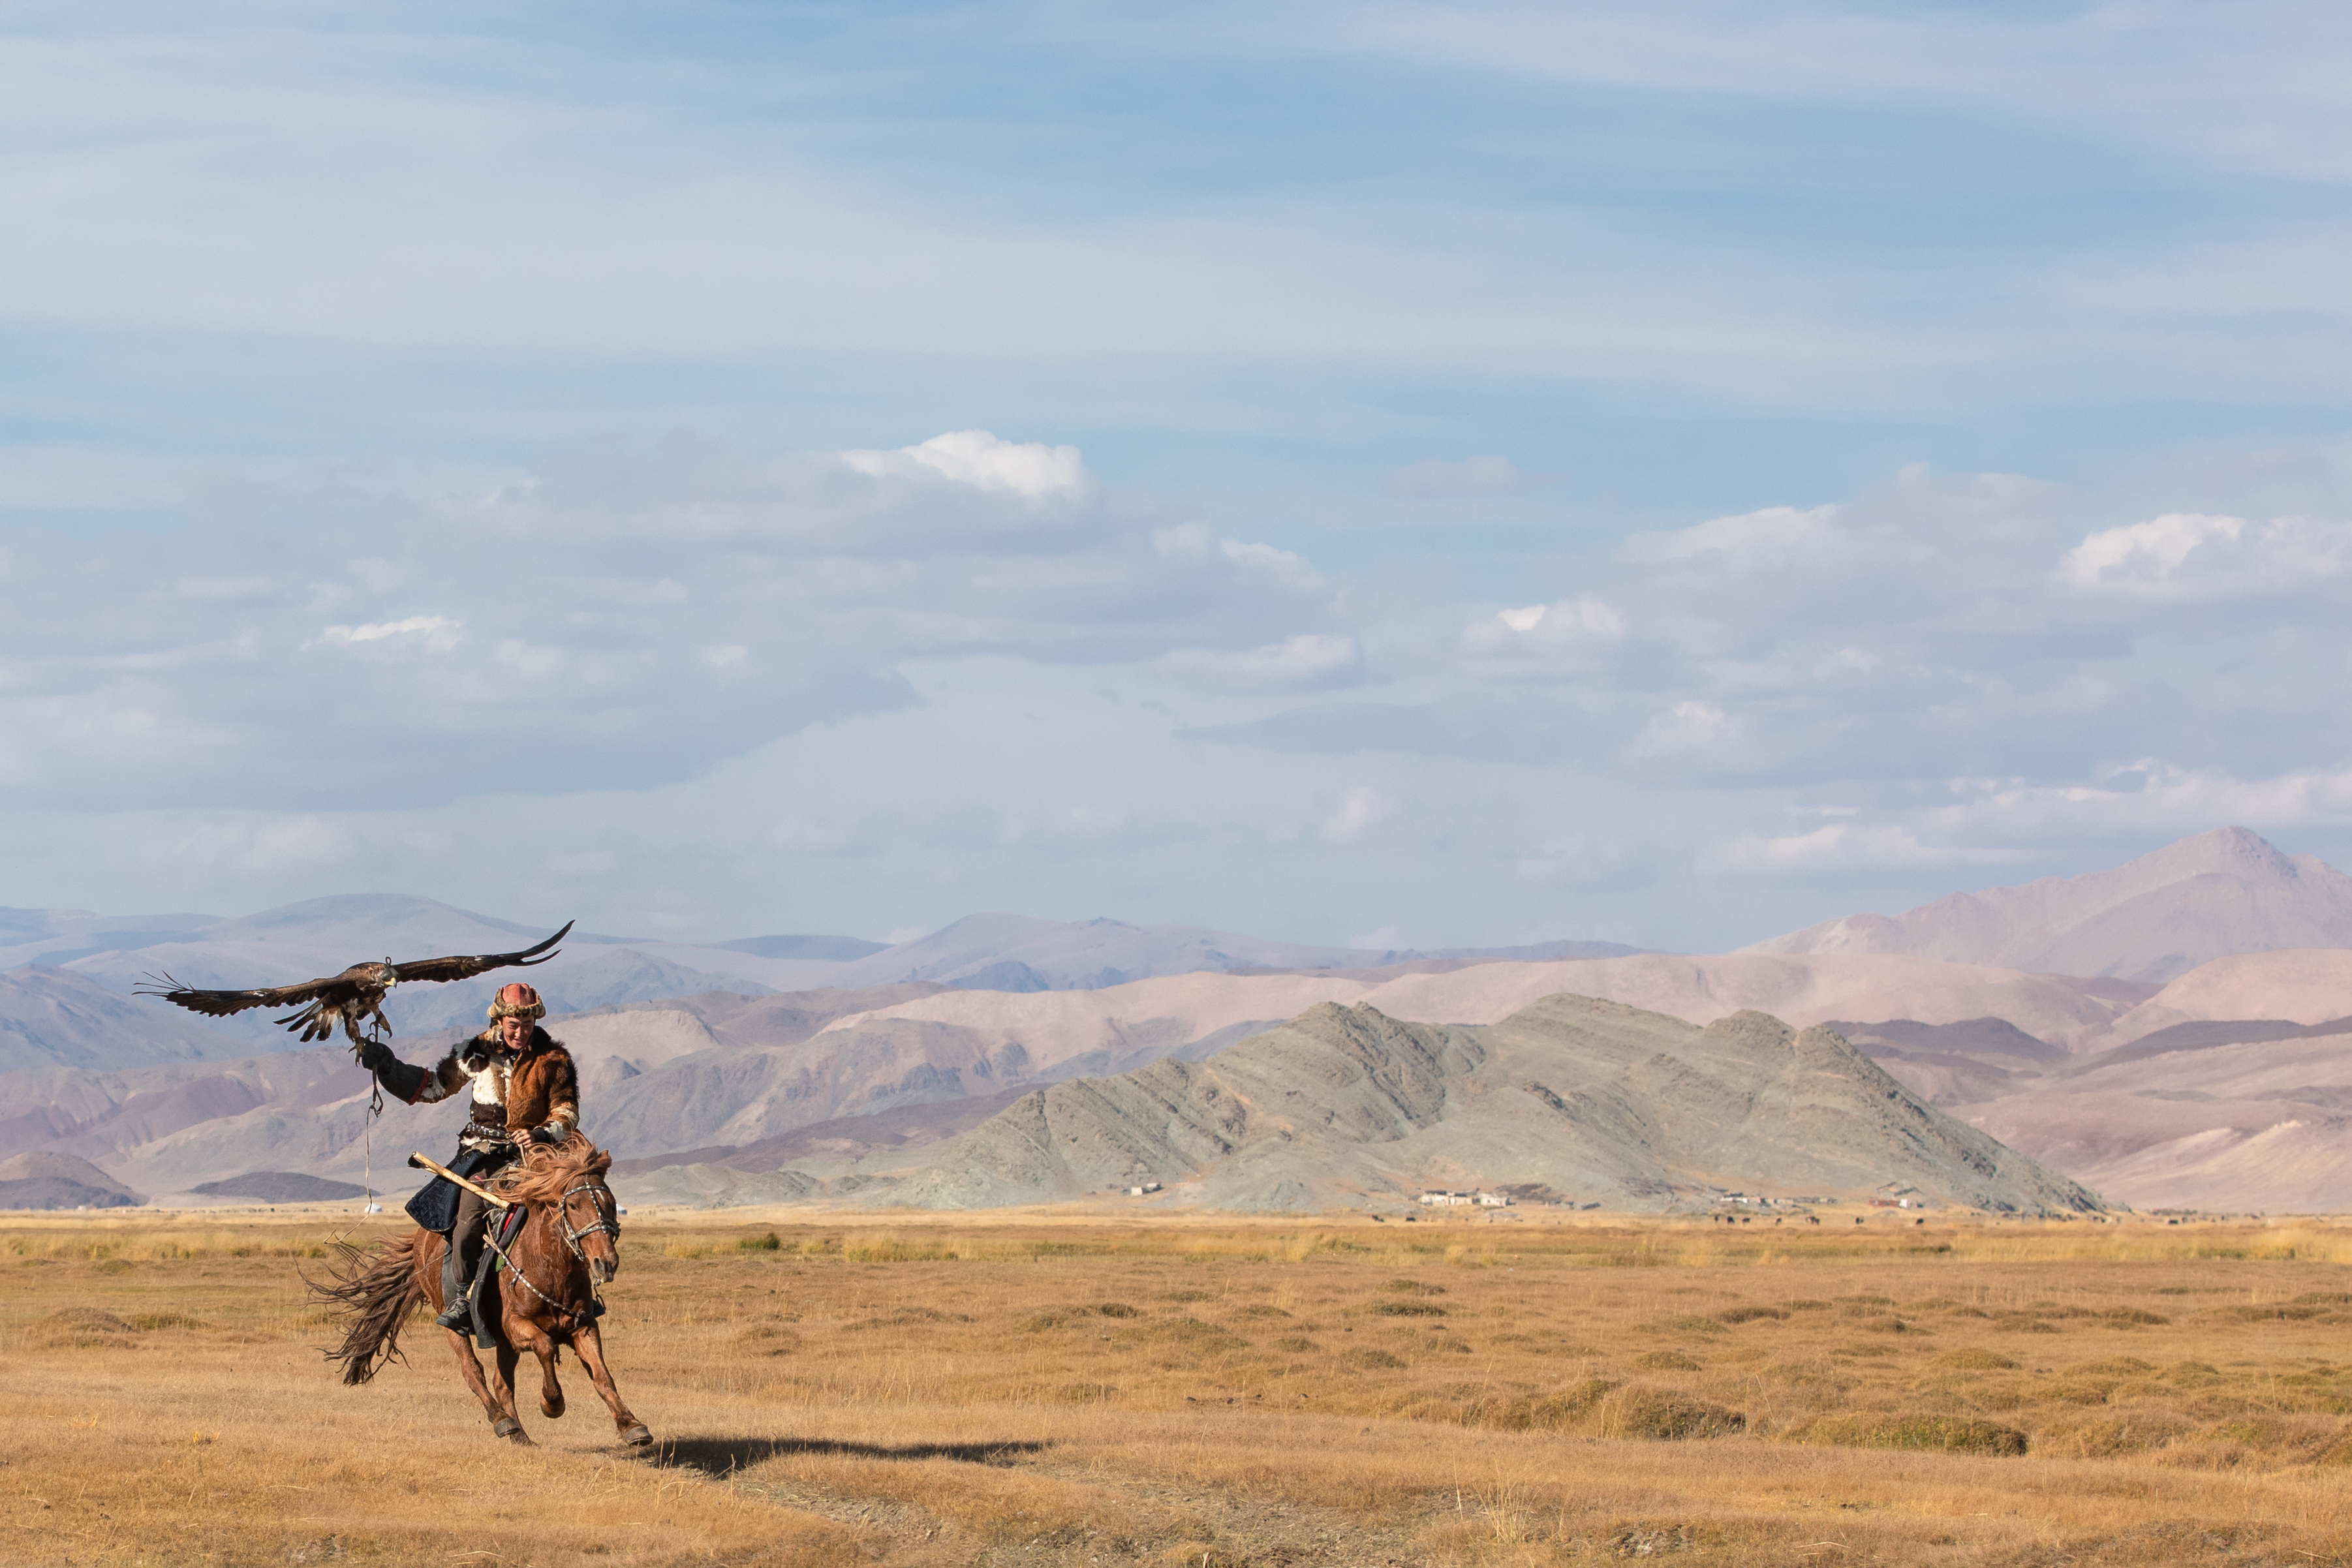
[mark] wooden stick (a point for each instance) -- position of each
(421, 1163)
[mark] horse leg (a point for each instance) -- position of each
(511, 1426)
(551, 1392)
(529, 1335)
(500, 1412)
(590, 1346)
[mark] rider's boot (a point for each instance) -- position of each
(456, 1310)
(478, 1301)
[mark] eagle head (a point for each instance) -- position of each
(387, 975)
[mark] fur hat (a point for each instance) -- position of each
(517, 1001)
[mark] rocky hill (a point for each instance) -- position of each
(1344, 1106)
(45, 1180)
(2206, 897)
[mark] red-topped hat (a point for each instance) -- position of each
(517, 1001)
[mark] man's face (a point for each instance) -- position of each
(515, 1032)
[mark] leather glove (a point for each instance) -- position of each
(374, 1055)
(553, 1133)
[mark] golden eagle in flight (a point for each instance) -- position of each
(352, 996)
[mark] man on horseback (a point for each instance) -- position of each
(524, 1088)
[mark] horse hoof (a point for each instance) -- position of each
(552, 1407)
(636, 1436)
(509, 1427)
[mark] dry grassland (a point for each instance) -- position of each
(1077, 1391)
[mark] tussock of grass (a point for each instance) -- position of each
(2115, 1367)
(1664, 1415)
(894, 1249)
(2133, 1317)
(1407, 1310)
(1206, 1339)
(1750, 1314)
(1056, 1318)
(1976, 1359)
(1931, 1433)
(1563, 1410)
(1666, 1360)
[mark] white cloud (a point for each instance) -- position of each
(977, 458)
(1311, 661)
(1690, 726)
(1360, 809)
(1197, 541)
(1539, 637)
(2149, 796)
(437, 632)
(1776, 537)
(2190, 555)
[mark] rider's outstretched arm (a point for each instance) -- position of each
(416, 1086)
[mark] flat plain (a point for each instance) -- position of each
(1058, 1389)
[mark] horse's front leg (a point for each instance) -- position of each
(527, 1334)
(590, 1346)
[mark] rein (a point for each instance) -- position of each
(571, 1317)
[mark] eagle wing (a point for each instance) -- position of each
(319, 999)
(334, 990)
(461, 968)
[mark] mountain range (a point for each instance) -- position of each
(717, 1061)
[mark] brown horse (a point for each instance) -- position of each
(545, 1296)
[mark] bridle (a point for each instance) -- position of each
(608, 1218)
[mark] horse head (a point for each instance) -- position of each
(568, 1180)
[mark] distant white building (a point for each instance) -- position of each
(1438, 1197)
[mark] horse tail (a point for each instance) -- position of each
(374, 1288)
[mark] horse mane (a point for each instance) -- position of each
(546, 1170)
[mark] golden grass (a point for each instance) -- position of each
(1072, 1389)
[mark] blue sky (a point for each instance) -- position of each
(1479, 472)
